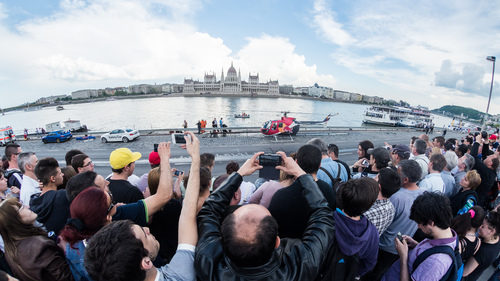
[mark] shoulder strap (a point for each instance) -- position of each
(438, 250)
(328, 174)
(338, 169)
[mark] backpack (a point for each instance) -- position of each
(338, 266)
(335, 181)
(456, 269)
(12, 176)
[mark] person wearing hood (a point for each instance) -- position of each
(354, 234)
(51, 205)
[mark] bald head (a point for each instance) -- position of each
(247, 220)
(249, 235)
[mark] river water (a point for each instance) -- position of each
(170, 112)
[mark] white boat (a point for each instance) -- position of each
(417, 117)
(385, 115)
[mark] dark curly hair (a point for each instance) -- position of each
(432, 206)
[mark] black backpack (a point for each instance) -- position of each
(12, 176)
(456, 269)
(335, 181)
(338, 266)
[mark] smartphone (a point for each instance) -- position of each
(365, 163)
(400, 237)
(155, 147)
(269, 163)
(178, 172)
(179, 138)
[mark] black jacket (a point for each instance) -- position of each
(52, 209)
(294, 260)
(488, 176)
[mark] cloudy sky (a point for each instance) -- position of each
(431, 53)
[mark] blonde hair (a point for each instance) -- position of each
(154, 180)
(473, 178)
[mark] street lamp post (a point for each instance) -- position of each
(490, 58)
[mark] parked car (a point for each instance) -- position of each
(123, 135)
(57, 136)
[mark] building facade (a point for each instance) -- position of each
(231, 84)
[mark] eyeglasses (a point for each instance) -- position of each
(112, 204)
(88, 164)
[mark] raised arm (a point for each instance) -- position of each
(164, 193)
(188, 230)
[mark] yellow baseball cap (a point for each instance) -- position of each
(121, 157)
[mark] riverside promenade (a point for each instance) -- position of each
(235, 147)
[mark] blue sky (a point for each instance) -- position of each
(430, 53)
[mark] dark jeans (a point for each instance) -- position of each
(384, 261)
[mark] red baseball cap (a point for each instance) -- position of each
(493, 137)
(154, 158)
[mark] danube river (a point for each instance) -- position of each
(170, 112)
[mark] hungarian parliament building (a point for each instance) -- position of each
(231, 84)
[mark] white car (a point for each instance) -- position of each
(123, 135)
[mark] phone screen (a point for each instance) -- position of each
(155, 147)
(178, 138)
(269, 163)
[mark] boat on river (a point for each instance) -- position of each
(397, 116)
(385, 115)
(59, 108)
(242, 115)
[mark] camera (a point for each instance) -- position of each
(365, 163)
(269, 163)
(178, 172)
(269, 160)
(155, 147)
(179, 138)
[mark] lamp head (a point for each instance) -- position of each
(491, 58)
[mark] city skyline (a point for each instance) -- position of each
(428, 53)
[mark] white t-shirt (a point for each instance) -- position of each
(29, 187)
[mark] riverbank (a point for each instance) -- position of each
(148, 96)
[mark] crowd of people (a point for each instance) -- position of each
(425, 210)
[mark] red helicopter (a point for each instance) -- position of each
(287, 125)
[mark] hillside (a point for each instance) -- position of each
(457, 110)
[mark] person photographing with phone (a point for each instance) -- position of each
(245, 245)
(379, 158)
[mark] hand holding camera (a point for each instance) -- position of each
(289, 165)
(251, 165)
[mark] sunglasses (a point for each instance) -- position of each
(112, 204)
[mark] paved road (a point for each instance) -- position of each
(233, 147)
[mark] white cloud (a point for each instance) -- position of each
(104, 43)
(328, 27)
(404, 44)
(275, 58)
